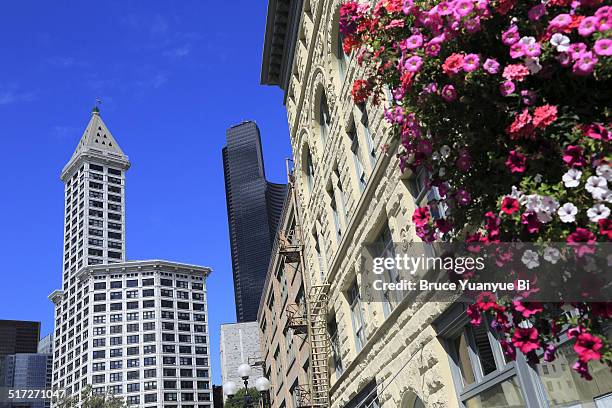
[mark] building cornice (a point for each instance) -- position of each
(56, 296)
(91, 154)
(282, 27)
(137, 266)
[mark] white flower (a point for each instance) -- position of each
(516, 194)
(572, 178)
(549, 204)
(560, 41)
(533, 65)
(604, 171)
(538, 178)
(532, 202)
(530, 259)
(598, 212)
(445, 151)
(527, 40)
(435, 156)
(442, 172)
(544, 217)
(597, 186)
(567, 212)
(551, 255)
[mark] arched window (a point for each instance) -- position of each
(341, 56)
(309, 170)
(324, 118)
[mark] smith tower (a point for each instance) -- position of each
(94, 179)
(123, 326)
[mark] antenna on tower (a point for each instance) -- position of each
(96, 108)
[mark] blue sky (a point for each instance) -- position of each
(172, 76)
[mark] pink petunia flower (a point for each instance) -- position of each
(560, 22)
(576, 50)
(507, 88)
(588, 26)
(472, 25)
(444, 8)
(587, 347)
(526, 339)
(421, 216)
(464, 7)
(511, 35)
(517, 50)
(516, 162)
(414, 41)
(471, 62)
(603, 47)
(463, 197)
(532, 50)
(536, 12)
(449, 93)
(413, 64)
(491, 66)
(585, 64)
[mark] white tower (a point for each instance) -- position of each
(94, 179)
(136, 329)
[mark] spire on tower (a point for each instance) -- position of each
(97, 142)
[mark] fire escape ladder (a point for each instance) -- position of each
(319, 346)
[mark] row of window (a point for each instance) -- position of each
(132, 283)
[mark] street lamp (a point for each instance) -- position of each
(262, 385)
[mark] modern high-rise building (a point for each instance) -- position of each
(137, 329)
(18, 336)
(253, 209)
(26, 371)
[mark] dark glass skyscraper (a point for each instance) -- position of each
(253, 209)
(18, 336)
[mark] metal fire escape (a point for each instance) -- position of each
(311, 320)
(308, 319)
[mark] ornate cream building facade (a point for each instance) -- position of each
(381, 350)
(350, 193)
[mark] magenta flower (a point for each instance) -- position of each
(603, 47)
(449, 93)
(464, 7)
(564, 59)
(472, 25)
(528, 97)
(588, 26)
(432, 49)
(463, 163)
(421, 216)
(516, 162)
(526, 339)
(517, 50)
(532, 50)
(511, 35)
(463, 197)
(585, 64)
(507, 88)
(560, 22)
(413, 64)
(414, 41)
(536, 12)
(491, 66)
(576, 50)
(444, 8)
(604, 22)
(471, 62)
